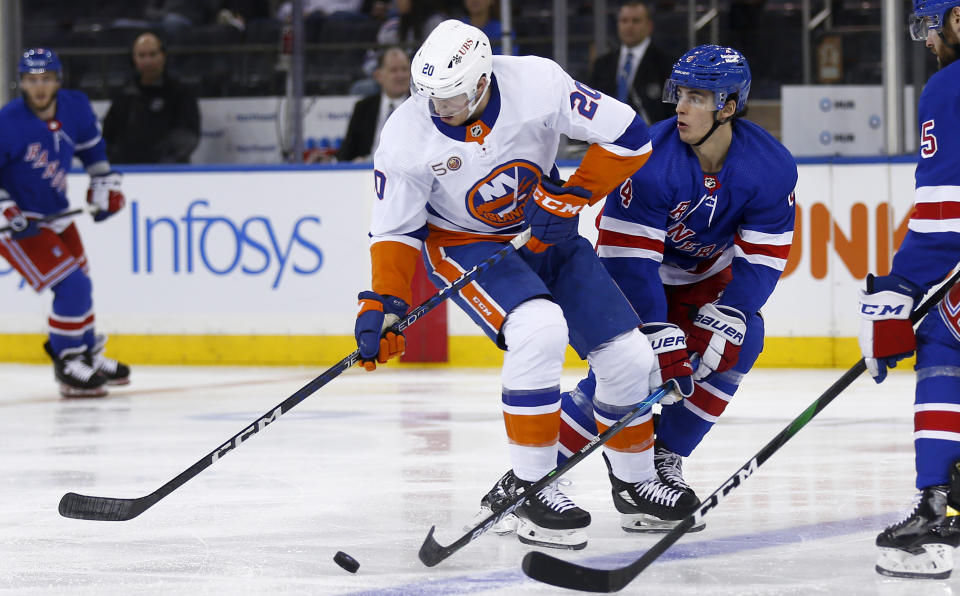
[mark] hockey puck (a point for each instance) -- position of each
(346, 561)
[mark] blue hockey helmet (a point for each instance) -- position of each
(927, 15)
(38, 60)
(719, 69)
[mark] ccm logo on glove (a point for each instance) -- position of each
(895, 311)
(556, 206)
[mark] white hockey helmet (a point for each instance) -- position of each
(450, 63)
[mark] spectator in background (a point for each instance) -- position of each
(635, 72)
(409, 26)
(176, 14)
(154, 118)
(485, 16)
(370, 113)
(347, 8)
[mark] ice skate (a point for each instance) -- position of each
(76, 375)
(116, 373)
(496, 501)
(669, 466)
(549, 518)
(921, 545)
(651, 505)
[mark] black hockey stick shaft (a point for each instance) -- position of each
(47, 218)
(114, 509)
(566, 574)
(432, 552)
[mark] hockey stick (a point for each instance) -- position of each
(565, 574)
(432, 552)
(113, 509)
(47, 218)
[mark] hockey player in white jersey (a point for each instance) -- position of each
(463, 166)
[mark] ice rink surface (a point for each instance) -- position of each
(368, 463)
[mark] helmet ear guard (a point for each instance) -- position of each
(721, 70)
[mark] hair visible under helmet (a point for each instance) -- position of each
(39, 60)
(452, 60)
(721, 70)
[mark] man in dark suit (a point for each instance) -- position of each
(369, 114)
(635, 72)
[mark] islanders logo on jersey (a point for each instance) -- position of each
(498, 198)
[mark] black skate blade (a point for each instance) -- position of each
(68, 392)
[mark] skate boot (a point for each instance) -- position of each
(651, 506)
(496, 501)
(116, 373)
(549, 518)
(669, 466)
(76, 374)
(921, 545)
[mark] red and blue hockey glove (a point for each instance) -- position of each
(672, 360)
(377, 343)
(717, 335)
(886, 333)
(105, 195)
(21, 228)
(553, 213)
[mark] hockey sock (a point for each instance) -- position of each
(71, 324)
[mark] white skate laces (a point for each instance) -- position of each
(78, 369)
(655, 492)
(670, 468)
(553, 497)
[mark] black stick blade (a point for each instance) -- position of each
(564, 574)
(102, 508)
(431, 551)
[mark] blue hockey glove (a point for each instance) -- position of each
(553, 213)
(886, 333)
(375, 341)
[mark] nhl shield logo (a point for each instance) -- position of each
(476, 130)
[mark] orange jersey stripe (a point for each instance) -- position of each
(472, 293)
(441, 237)
(393, 266)
(601, 171)
(632, 439)
(538, 430)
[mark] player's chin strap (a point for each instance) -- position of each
(716, 124)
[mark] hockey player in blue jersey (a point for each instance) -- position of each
(42, 131)
(697, 241)
(921, 545)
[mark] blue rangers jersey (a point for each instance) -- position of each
(931, 247)
(35, 156)
(672, 223)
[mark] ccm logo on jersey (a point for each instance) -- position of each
(718, 326)
(497, 199)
